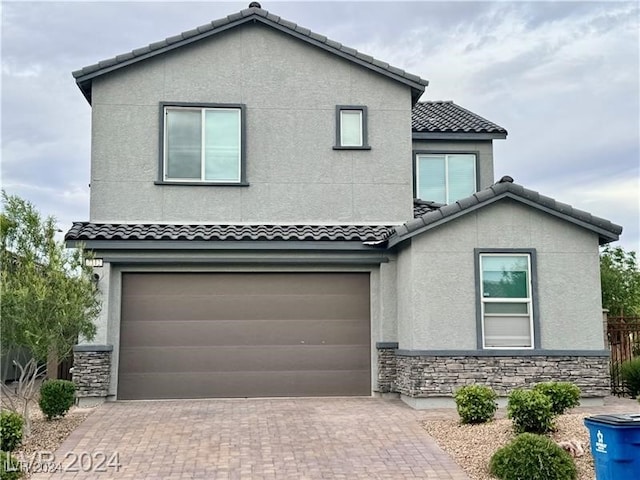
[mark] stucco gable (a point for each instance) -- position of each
(84, 77)
(506, 189)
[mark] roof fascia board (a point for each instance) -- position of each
(457, 136)
(602, 233)
(135, 257)
(260, 245)
(417, 88)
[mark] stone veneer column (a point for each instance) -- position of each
(92, 373)
(387, 370)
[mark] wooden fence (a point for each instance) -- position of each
(623, 334)
(64, 368)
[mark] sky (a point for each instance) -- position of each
(562, 77)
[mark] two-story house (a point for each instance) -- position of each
(276, 214)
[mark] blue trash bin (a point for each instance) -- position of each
(615, 445)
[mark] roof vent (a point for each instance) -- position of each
(255, 5)
(506, 179)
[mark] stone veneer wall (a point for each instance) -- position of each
(92, 371)
(387, 369)
(437, 376)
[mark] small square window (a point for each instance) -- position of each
(203, 144)
(351, 128)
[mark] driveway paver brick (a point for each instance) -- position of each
(263, 439)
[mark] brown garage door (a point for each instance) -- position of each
(194, 335)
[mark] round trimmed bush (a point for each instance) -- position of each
(56, 397)
(532, 457)
(531, 411)
(476, 403)
(11, 424)
(563, 395)
(10, 468)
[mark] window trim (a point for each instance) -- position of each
(364, 130)
(193, 182)
(417, 153)
(533, 281)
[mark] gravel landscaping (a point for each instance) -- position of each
(47, 436)
(473, 445)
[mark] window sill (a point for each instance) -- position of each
(202, 184)
(339, 147)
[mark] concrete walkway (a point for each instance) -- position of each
(307, 438)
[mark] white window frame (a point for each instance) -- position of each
(240, 179)
(526, 300)
(360, 140)
(447, 200)
(363, 134)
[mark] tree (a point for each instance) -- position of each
(48, 297)
(620, 279)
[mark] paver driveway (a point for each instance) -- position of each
(306, 438)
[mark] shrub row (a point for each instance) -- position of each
(531, 410)
(529, 456)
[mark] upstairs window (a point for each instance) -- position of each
(445, 177)
(351, 128)
(203, 144)
(506, 300)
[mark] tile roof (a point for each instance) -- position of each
(420, 207)
(87, 231)
(85, 75)
(446, 116)
(606, 230)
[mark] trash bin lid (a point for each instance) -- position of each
(620, 419)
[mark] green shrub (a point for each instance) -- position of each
(563, 395)
(11, 424)
(476, 403)
(532, 457)
(531, 411)
(9, 467)
(56, 397)
(630, 373)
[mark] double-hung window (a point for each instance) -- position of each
(445, 177)
(351, 128)
(506, 300)
(203, 144)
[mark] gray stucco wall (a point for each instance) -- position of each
(482, 148)
(290, 90)
(437, 302)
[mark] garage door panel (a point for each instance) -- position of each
(227, 284)
(245, 332)
(241, 307)
(245, 384)
(229, 335)
(234, 359)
